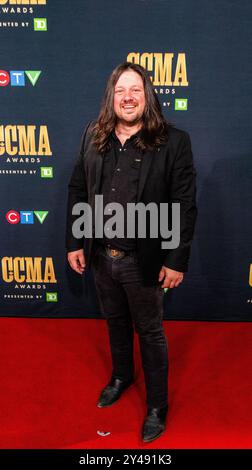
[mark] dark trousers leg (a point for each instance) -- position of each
(114, 306)
(146, 305)
(124, 298)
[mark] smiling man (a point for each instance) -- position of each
(131, 154)
(129, 104)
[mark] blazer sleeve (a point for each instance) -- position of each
(182, 189)
(77, 192)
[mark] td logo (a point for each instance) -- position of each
(181, 104)
(25, 217)
(51, 296)
(46, 172)
(40, 24)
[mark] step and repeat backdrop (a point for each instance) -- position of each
(56, 56)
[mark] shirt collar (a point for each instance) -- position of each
(132, 137)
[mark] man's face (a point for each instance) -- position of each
(129, 97)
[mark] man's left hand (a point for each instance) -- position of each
(170, 277)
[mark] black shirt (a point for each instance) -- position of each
(119, 183)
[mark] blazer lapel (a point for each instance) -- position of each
(98, 171)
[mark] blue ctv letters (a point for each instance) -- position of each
(17, 78)
(26, 217)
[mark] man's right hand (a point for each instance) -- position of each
(77, 261)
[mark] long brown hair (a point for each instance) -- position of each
(155, 129)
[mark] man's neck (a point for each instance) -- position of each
(124, 130)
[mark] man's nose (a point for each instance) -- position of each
(128, 95)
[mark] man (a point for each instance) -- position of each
(132, 155)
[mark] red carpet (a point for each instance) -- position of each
(53, 370)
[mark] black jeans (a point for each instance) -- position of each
(125, 302)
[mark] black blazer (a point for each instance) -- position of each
(167, 174)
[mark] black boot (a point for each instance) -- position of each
(154, 423)
(112, 392)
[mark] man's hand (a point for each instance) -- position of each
(77, 261)
(170, 277)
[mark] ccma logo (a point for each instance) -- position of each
(25, 217)
(17, 77)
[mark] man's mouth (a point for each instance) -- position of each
(128, 106)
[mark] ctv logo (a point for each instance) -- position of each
(18, 77)
(25, 217)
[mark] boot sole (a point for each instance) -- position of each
(110, 404)
(153, 438)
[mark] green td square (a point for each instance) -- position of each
(46, 172)
(181, 104)
(51, 296)
(40, 24)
